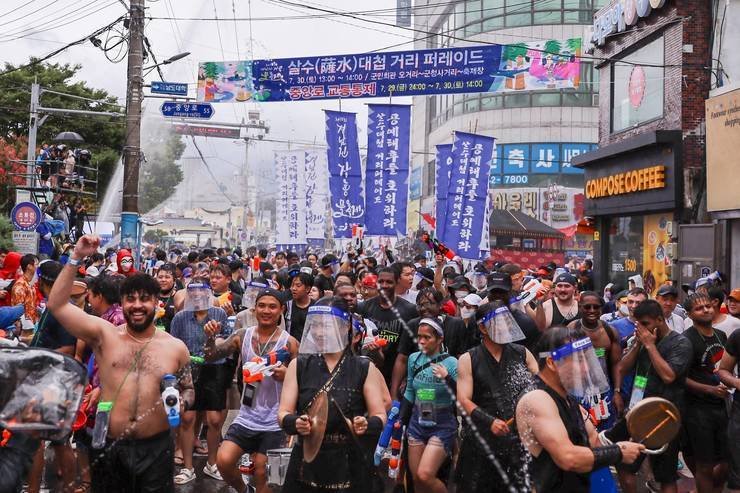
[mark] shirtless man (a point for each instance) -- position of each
(132, 359)
(553, 426)
(562, 307)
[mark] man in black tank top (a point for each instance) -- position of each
(553, 426)
(490, 377)
(562, 308)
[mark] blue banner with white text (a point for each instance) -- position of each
(467, 194)
(387, 169)
(345, 172)
(442, 166)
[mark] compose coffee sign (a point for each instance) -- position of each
(622, 15)
(638, 180)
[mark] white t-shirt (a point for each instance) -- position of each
(729, 325)
(676, 323)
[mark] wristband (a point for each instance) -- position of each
(609, 455)
(289, 421)
(374, 425)
(73, 261)
(481, 418)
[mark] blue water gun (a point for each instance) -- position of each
(385, 437)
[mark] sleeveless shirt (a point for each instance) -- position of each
(559, 319)
(262, 415)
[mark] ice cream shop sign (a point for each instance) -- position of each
(621, 16)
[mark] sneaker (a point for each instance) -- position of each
(185, 476)
(212, 471)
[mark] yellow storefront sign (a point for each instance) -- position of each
(628, 182)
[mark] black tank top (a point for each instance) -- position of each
(498, 384)
(546, 475)
(558, 319)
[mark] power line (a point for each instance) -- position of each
(62, 21)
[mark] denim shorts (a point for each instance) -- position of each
(445, 429)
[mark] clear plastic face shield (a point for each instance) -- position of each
(579, 369)
(477, 279)
(417, 279)
(501, 327)
(334, 265)
(326, 330)
(40, 390)
(249, 300)
(198, 297)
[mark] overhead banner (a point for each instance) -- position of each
(387, 170)
(442, 166)
(345, 172)
(467, 197)
(203, 131)
(317, 196)
(539, 65)
(291, 201)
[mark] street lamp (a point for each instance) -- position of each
(171, 59)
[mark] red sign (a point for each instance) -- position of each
(527, 259)
(202, 131)
(636, 86)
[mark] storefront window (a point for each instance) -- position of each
(637, 86)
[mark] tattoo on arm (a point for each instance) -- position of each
(185, 385)
(216, 349)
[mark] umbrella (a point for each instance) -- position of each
(68, 137)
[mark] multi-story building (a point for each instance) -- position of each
(537, 132)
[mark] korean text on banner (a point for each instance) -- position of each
(538, 65)
(442, 166)
(345, 172)
(317, 192)
(468, 193)
(291, 201)
(387, 171)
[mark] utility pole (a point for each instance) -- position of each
(132, 145)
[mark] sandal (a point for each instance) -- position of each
(83, 487)
(201, 449)
(185, 476)
(179, 461)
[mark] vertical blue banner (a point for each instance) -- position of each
(387, 171)
(345, 172)
(442, 166)
(468, 193)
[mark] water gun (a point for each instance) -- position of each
(81, 416)
(442, 249)
(198, 360)
(373, 339)
(259, 367)
(385, 437)
(225, 298)
(394, 464)
(282, 355)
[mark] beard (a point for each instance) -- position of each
(140, 327)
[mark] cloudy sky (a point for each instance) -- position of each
(37, 27)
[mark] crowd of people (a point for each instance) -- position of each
(58, 166)
(430, 373)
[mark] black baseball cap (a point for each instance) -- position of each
(459, 282)
(498, 281)
(567, 278)
(271, 292)
(426, 273)
(667, 290)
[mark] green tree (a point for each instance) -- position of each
(154, 235)
(104, 136)
(6, 233)
(160, 173)
(552, 47)
(211, 69)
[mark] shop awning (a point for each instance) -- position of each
(515, 223)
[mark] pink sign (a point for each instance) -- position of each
(637, 86)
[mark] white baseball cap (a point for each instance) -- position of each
(473, 300)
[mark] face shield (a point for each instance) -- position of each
(198, 297)
(334, 265)
(454, 266)
(417, 279)
(249, 300)
(477, 279)
(579, 369)
(501, 326)
(40, 390)
(325, 331)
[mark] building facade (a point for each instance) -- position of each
(537, 132)
(645, 182)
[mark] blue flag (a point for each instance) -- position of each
(345, 172)
(442, 166)
(387, 171)
(468, 193)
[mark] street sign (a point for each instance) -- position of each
(26, 242)
(203, 131)
(171, 88)
(187, 110)
(26, 216)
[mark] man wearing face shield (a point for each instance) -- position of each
(478, 279)
(423, 277)
(328, 269)
(553, 426)
(210, 380)
(356, 394)
(490, 376)
(499, 289)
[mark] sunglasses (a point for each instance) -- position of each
(591, 307)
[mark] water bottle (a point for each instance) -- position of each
(102, 417)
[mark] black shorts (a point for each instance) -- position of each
(706, 433)
(134, 465)
(733, 442)
(664, 466)
(210, 388)
(251, 441)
